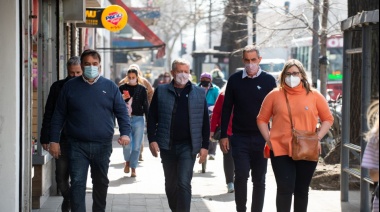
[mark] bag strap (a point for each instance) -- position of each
(289, 111)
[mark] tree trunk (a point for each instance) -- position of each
(234, 34)
(323, 59)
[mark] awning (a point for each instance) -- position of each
(141, 28)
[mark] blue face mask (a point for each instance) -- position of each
(91, 72)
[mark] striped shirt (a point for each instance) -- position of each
(371, 161)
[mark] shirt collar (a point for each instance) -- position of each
(246, 75)
(96, 79)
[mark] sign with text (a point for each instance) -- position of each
(113, 18)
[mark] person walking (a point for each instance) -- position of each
(228, 161)
(179, 128)
(293, 177)
(136, 93)
(218, 78)
(212, 92)
(371, 152)
(244, 94)
(87, 106)
(61, 163)
(149, 89)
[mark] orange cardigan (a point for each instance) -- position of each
(305, 112)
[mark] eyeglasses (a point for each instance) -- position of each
(294, 74)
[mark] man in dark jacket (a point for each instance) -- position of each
(179, 128)
(61, 163)
(244, 95)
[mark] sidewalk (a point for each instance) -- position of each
(146, 192)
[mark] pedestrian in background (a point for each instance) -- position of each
(212, 92)
(62, 162)
(149, 89)
(218, 78)
(87, 106)
(244, 94)
(179, 128)
(133, 91)
(228, 161)
(371, 153)
(293, 177)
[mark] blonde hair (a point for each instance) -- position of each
(373, 123)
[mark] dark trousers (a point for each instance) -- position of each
(178, 165)
(292, 178)
(62, 171)
(212, 148)
(228, 165)
(247, 152)
(81, 156)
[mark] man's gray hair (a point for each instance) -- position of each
(180, 61)
(251, 48)
(74, 60)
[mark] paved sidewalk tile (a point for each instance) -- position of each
(146, 192)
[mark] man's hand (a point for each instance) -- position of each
(124, 140)
(45, 147)
(154, 149)
(224, 145)
(202, 155)
(55, 149)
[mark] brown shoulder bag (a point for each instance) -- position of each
(304, 143)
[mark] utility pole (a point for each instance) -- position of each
(315, 45)
(323, 61)
(210, 30)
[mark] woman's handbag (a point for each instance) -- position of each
(217, 133)
(304, 143)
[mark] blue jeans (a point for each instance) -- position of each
(292, 178)
(247, 152)
(131, 151)
(178, 164)
(62, 170)
(81, 156)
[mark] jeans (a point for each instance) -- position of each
(228, 165)
(62, 171)
(292, 177)
(247, 152)
(81, 156)
(178, 164)
(132, 150)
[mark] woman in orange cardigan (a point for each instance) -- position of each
(307, 105)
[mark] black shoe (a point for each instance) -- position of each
(66, 206)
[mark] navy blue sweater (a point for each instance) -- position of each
(244, 97)
(89, 111)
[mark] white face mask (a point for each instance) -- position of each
(182, 78)
(251, 68)
(133, 81)
(292, 81)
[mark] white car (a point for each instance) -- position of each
(272, 66)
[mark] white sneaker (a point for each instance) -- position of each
(230, 188)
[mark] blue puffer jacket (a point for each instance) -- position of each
(166, 99)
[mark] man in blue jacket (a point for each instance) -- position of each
(87, 106)
(179, 128)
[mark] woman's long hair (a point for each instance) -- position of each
(290, 63)
(373, 123)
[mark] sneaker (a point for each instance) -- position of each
(65, 205)
(230, 188)
(211, 157)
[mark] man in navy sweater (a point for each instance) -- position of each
(87, 106)
(244, 95)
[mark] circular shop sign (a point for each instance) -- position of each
(114, 18)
